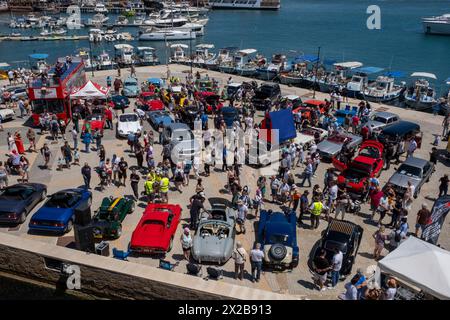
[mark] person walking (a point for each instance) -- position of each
(46, 153)
(67, 154)
(256, 259)
(241, 215)
(240, 256)
(307, 174)
(3, 176)
(123, 166)
(303, 206)
(423, 219)
(379, 238)
(443, 185)
(31, 136)
(186, 243)
(164, 188)
(336, 265)
(86, 173)
(445, 125)
(196, 205)
(134, 181)
(87, 140)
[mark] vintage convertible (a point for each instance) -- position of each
(107, 220)
(214, 239)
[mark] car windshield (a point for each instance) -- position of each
(330, 245)
(130, 83)
(16, 193)
(148, 98)
(280, 238)
(128, 118)
(379, 119)
(337, 139)
(63, 200)
(214, 229)
(354, 173)
(408, 170)
(370, 152)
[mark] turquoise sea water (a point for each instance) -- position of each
(337, 26)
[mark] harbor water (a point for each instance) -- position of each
(300, 26)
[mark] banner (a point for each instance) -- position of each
(440, 209)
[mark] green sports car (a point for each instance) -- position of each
(107, 220)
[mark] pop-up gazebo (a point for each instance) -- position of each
(90, 90)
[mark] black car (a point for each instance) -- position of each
(18, 200)
(120, 102)
(400, 131)
(267, 93)
(344, 235)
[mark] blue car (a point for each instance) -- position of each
(341, 114)
(58, 213)
(158, 116)
(120, 102)
(157, 82)
(131, 87)
(277, 234)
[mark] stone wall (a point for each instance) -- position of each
(110, 278)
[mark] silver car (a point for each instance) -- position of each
(330, 147)
(214, 239)
(416, 170)
(380, 119)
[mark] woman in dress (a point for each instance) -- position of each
(19, 143)
(11, 142)
(379, 238)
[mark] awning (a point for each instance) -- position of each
(368, 70)
(422, 264)
(122, 46)
(395, 74)
(349, 65)
(306, 58)
(90, 90)
(424, 75)
(179, 45)
(146, 49)
(38, 56)
(205, 46)
(247, 51)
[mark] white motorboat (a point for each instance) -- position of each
(104, 61)
(85, 55)
(224, 57)
(271, 70)
(166, 23)
(4, 6)
(98, 19)
(178, 54)
(244, 65)
(197, 29)
(122, 20)
(245, 4)
(124, 54)
(100, 8)
(383, 89)
(437, 25)
(421, 95)
(167, 35)
(146, 56)
(202, 54)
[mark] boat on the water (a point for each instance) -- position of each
(89, 63)
(202, 54)
(421, 95)
(244, 64)
(178, 54)
(167, 35)
(338, 77)
(245, 4)
(124, 54)
(104, 61)
(271, 70)
(224, 55)
(437, 25)
(384, 89)
(100, 8)
(146, 56)
(98, 20)
(360, 81)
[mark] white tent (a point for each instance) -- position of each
(91, 90)
(422, 264)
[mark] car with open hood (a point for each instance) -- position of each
(215, 235)
(17, 201)
(154, 234)
(159, 116)
(332, 146)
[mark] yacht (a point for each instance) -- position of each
(245, 4)
(98, 19)
(4, 6)
(100, 8)
(383, 90)
(166, 35)
(421, 96)
(166, 23)
(437, 25)
(178, 55)
(271, 70)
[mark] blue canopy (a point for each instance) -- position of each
(447, 81)
(38, 56)
(306, 58)
(283, 120)
(368, 70)
(395, 74)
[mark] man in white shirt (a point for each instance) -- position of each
(240, 256)
(411, 148)
(256, 258)
(242, 215)
(336, 263)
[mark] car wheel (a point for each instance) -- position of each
(278, 251)
(69, 226)
(132, 207)
(44, 194)
(170, 245)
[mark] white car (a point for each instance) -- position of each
(7, 114)
(306, 136)
(128, 123)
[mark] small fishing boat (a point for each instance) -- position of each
(202, 54)
(338, 77)
(225, 55)
(277, 65)
(124, 54)
(100, 8)
(104, 61)
(146, 56)
(384, 89)
(98, 19)
(360, 81)
(122, 20)
(244, 64)
(178, 54)
(421, 95)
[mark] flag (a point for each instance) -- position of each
(440, 210)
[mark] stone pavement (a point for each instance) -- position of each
(297, 282)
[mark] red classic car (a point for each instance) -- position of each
(367, 164)
(149, 101)
(95, 121)
(156, 229)
(309, 105)
(212, 100)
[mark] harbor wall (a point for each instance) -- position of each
(104, 277)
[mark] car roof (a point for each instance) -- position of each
(269, 84)
(235, 84)
(415, 162)
(400, 127)
(385, 114)
(177, 125)
(343, 227)
(314, 102)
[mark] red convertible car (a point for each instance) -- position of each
(156, 229)
(306, 107)
(149, 101)
(95, 121)
(367, 164)
(212, 100)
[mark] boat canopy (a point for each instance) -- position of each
(4, 65)
(394, 74)
(146, 49)
(424, 75)
(306, 58)
(205, 46)
(122, 46)
(179, 45)
(447, 81)
(368, 70)
(349, 65)
(247, 51)
(38, 56)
